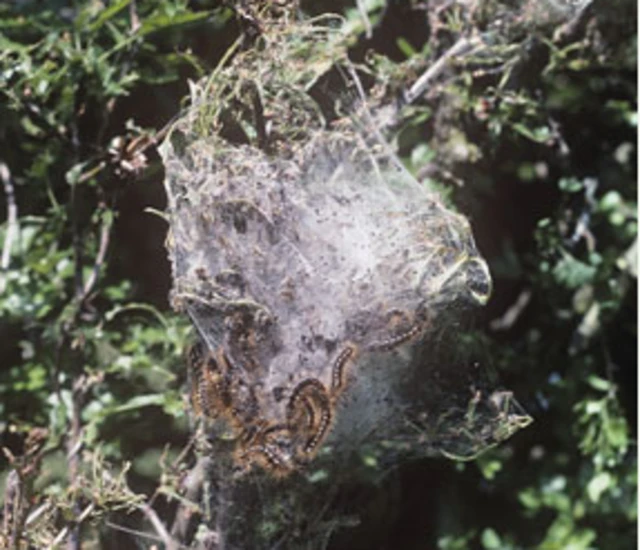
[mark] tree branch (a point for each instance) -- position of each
(12, 219)
(67, 529)
(462, 46)
(365, 18)
(105, 233)
(151, 515)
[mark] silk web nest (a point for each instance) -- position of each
(325, 283)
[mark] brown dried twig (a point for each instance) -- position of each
(19, 487)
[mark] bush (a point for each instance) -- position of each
(531, 133)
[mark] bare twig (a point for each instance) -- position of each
(19, 488)
(176, 463)
(372, 122)
(74, 444)
(169, 543)
(135, 18)
(462, 46)
(12, 504)
(511, 316)
(67, 530)
(37, 513)
(77, 245)
(572, 27)
(365, 19)
(105, 232)
(12, 217)
(192, 485)
(128, 530)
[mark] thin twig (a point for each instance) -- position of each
(13, 505)
(125, 68)
(365, 19)
(77, 245)
(511, 316)
(19, 486)
(105, 232)
(12, 218)
(128, 530)
(137, 533)
(572, 27)
(134, 17)
(373, 125)
(66, 529)
(175, 464)
(74, 444)
(462, 46)
(169, 543)
(39, 511)
(192, 484)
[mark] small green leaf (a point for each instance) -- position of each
(544, 222)
(72, 176)
(593, 407)
(370, 460)
(491, 539)
(617, 218)
(107, 14)
(489, 468)
(164, 22)
(598, 485)
(421, 155)
(572, 273)
(610, 201)
(529, 499)
(570, 185)
(139, 402)
(618, 433)
(539, 135)
(317, 476)
(406, 48)
(598, 383)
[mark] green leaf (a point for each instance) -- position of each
(529, 499)
(598, 383)
(570, 185)
(73, 175)
(107, 14)
(317, 476)
(489, 468)
(573, 273)
(618, 433)
(370, 460)
(598, 485)
(539, 135)
(490, 539)
(164, 22)
(592, 408)
(136, 306)
(610, 201)
(422, 154)
(139, 402)
(406, 48)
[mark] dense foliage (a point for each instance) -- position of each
(534, 139)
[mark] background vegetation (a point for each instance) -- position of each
(536, 143)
